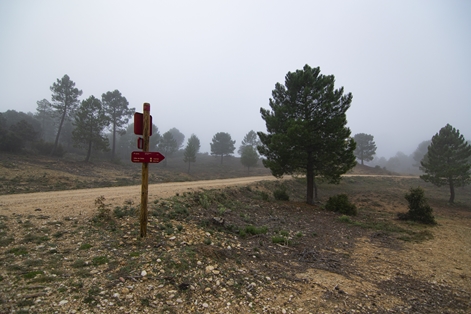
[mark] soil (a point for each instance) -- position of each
(226, 246)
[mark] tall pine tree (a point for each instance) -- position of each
(90, 121)
(192, 148)
(366, 147)
(447, 161)
(64, 100)
(116, 108)
(222, 145)
(306, 129)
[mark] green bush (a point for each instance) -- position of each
(340, 203)
(264, 196)
(120, 212)
(419, 210)
(281, 195)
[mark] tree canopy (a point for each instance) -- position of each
(222, 145)
(366, 147)
(306, 129)
(249, 156)
(447, 161)
(250, 139)
(167, 145)
(64, 101)
(117, 111)
(90, 121)
(420, 152)
(178, 136)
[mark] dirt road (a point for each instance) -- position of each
(76, 202)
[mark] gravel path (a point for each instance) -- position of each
(74, 202)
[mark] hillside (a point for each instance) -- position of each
(26, 174)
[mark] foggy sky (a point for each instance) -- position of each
(208, 66)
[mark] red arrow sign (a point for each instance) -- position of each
(148, 157)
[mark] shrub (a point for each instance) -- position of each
(120, 212)
(104, 210)
(280, 194)
(340, 203)
(419, 210)
(264, 196)
(45, 148)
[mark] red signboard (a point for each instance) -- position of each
(139, 123)
(148, 157)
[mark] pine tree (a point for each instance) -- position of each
(366, 147)
(167, 145)
(117, 111)
(90, 121)
(306, 129)
(64, 101)
(250, 139)
(222, 145)
(192, 148)
(249, 157)
(447, 161)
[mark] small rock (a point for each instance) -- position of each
(37, 209)
(230, 282)
(122, 279)
(173, 238)
(205, 305)
(62, 302)
(143, 273)
(209, 268)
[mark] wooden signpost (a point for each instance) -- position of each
(143, 126)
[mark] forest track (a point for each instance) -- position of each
(80, 202)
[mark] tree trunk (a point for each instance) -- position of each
(310, 181)
(89, 152)
(58, 132)
(113, 149)
(189, 163)
(452, 190)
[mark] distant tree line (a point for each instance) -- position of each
(100, 127)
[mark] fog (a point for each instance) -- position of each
(208, 66)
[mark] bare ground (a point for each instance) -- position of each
(58, 255)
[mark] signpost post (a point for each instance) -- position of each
(145, 171)
(143, 126)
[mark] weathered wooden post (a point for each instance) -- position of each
(145, 170)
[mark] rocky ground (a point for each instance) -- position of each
(238, 250)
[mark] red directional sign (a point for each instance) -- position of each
(147, 157)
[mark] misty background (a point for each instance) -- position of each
(208, 66)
